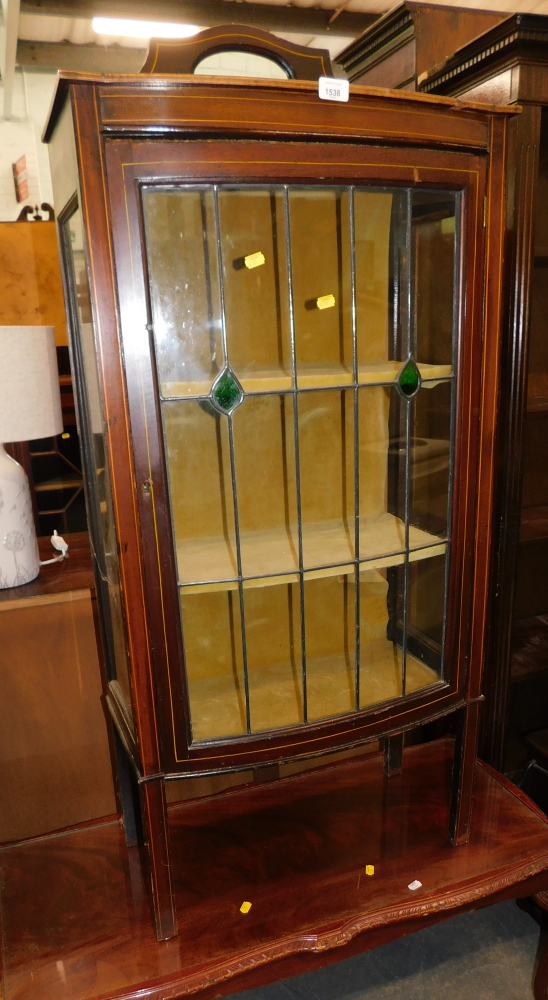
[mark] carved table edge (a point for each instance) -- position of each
(202, 978)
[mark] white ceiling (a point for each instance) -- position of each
(78, 30)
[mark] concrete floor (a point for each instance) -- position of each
(486, 955)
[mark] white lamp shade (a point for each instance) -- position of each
(30, 402)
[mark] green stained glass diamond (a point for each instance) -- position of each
(227, 392)
(409, 379)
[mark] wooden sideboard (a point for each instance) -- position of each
(55, 766)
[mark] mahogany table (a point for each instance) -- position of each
(76, 915)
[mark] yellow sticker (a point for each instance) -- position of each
(370, 869)
(254, 259)
(245, 907)
(325, 301)
(65, 435)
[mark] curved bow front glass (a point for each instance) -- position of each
(311, 523)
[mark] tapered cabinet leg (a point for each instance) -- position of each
(393, 754)
(463, 774)
(154, 812)
(129, 794)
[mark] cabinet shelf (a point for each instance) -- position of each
(529, 647)
(534, 524)
(310, 377)
(271, 556)
(218, 707)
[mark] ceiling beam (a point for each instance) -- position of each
(272, 17)
(88, 58)
(8, 52)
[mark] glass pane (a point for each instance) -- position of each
(239, 63)
(265, 480)
(379, 233)
(184, 288)
(214, 663)
(381, 655)
(382, 416)
(348, 475)
(320, 256)
(198, 459)
(429, 458)
(326, 456)
(330, 628)
(389, 479)
(252, 234)
(274, 662)
(434, 218)
(425, 622)
(92, 437)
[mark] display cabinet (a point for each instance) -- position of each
(287, 364)
(509, 64)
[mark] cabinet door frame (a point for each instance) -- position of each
(131, 164)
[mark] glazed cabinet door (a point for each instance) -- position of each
(93, 437)
(298, 360)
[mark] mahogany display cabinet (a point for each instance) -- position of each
(509, 64)
(284, 315)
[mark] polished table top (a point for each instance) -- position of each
(76, 912)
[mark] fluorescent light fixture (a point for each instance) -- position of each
(142, 29)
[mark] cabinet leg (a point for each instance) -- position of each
(154, 812)
(129, 794)
(393, 754)
(463, 774)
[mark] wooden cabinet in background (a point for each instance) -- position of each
(404, 44)
(509, 64)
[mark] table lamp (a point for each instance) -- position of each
(30, 408)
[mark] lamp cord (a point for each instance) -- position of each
(58, 543)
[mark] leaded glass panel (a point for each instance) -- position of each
(307, 391)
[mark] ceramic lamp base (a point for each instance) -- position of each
(19, 559)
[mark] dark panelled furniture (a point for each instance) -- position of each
(509, 64)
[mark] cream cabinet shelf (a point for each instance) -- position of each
(272, 556)
(275, 694)
(311, 377)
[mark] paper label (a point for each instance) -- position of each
(325, 301)
(330, 89)
(254, 259)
